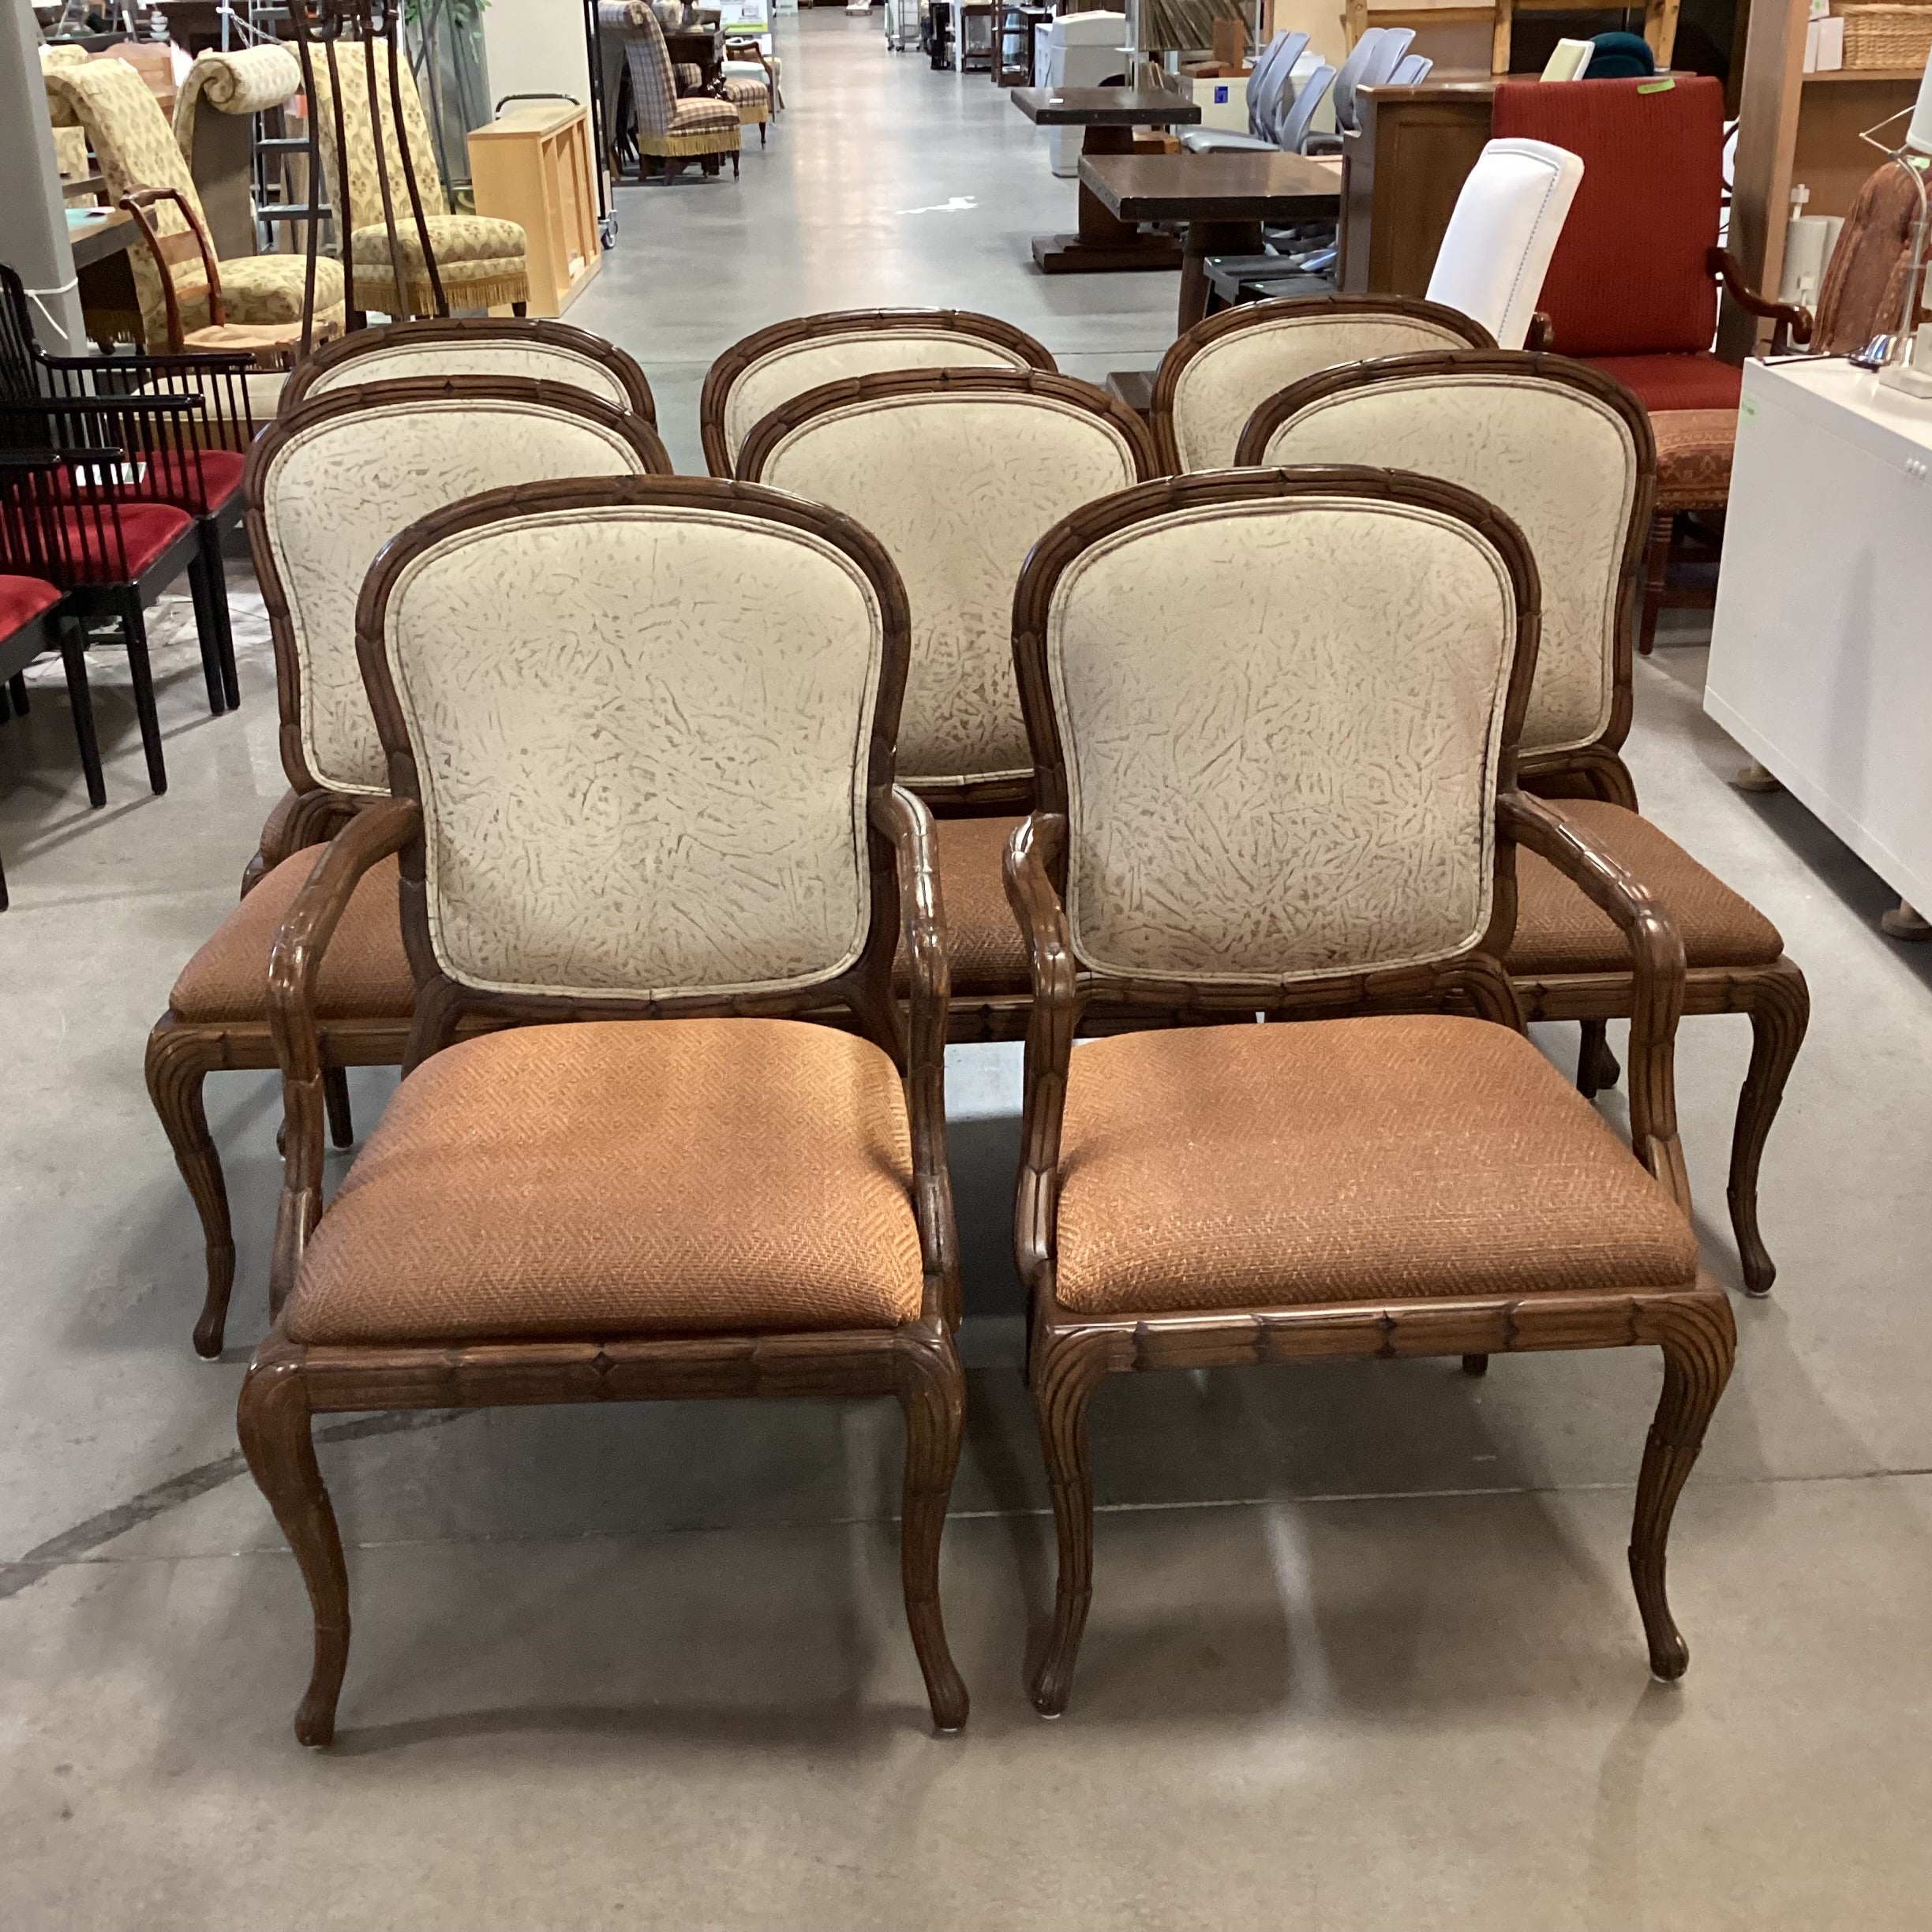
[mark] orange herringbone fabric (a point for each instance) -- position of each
(1345, 1160)
(619, 1177)
(365, 975)
(1558, 931)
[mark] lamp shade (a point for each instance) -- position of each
(1919, 136)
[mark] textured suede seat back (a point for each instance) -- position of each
(402, 358)
(1565, 455)
(1307, 788)
(627, 788)
(334, 480)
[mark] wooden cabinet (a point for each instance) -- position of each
(1403, 170)
(533, 167)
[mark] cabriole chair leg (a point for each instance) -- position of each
(932, 1394)
(1066, 1372)
(1597, 1066)
(177, 1063)
(1779, 1006)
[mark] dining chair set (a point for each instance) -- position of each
(664, 830)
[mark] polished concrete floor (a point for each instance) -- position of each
(1363, 1652)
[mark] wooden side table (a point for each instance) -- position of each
(533, 167)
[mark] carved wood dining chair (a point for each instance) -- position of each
(639, 738)
(1214, 377)
(959, 473)
(544, 351)
(329, 484)
(1566, 451)
(754, 376)
(1315, 817)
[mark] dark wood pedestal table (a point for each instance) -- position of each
(1110, 115)
(1222, 198)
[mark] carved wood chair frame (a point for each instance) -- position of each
(1205, 334)
(1070, 1353)
(1774, 996)
(289, 1383)
(180, 1053)
(532, 331)
(978, 1016)
(724, 372)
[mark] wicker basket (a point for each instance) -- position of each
(1887, 36)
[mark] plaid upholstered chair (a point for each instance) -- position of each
(668, 127)
(1317, 820)
(770, 367)
(682, 839)
(137, 149)
(1566, 451)
(328, 485)
(406, 254)
(544, 351)
(959, 473)
(1215, 376)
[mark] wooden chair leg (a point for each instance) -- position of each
(932, 1393)
(178, 1061)
(1475, 1364)
(1779, 1006)
(218, 610)
(134, 630)
(335, 1097)
(16, 693)
(1065, 1373)
(1699, 1344)
(1597, 1066)
(205, 634)
(519, 308)
(81, 703)
(273, 1418)
(734, 155)
(1656, 574)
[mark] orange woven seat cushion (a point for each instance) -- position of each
(1370, 1159)
(1558, 931)
(364, 975)
(622, 1177)
(984, 951)
(1693, 449)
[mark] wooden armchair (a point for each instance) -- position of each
(1317, 822)
(777, 1220)
(959, 473)
(773, 365)
(329, 484)
(1566, 451)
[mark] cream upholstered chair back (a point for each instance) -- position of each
(543, 351)
(340, 67)
(643, 725)
(765, 370)
(1276, 708)
(214, 128)
(1502, 232)
(1561, 448)
(330, 483)
(958, 474)
(1213, 378)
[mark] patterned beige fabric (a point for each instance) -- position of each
(1221, 386)
(480, 261)
(244, 82)
(545, 361)
(626, 1177)
(1562, 464)
(335, 494)
(1281, 722)
(642, 734)
(790, 371)
(136, 148)
(958, 487)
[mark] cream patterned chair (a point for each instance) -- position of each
(473, 261)
(1215, 377)
(679, 839)
(758, 373)
(670, 127)
(214, 127)
(544, 351)
(137, 149)
(959, 473)
(328, 485)
(1317, 820)
(1566, 451)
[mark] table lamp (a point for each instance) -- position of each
(1894, 355)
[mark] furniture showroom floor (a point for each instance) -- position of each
(1363, 1652)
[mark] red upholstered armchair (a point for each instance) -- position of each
(1633, 286)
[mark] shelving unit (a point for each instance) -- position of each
(533, 165)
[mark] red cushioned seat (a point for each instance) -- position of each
(23, 599)
(1662, 383)
(218, 481)
(146, 529)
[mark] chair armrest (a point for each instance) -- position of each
(922, 917)
(1788, 316)
(1541, 338)
(1026, 870)
(1657, 960)
(299, 818)
(379, 828)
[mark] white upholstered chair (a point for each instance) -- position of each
(329, 484)
(1502, 232)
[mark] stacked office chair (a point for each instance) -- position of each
(1372, 63)
(1271, 96)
